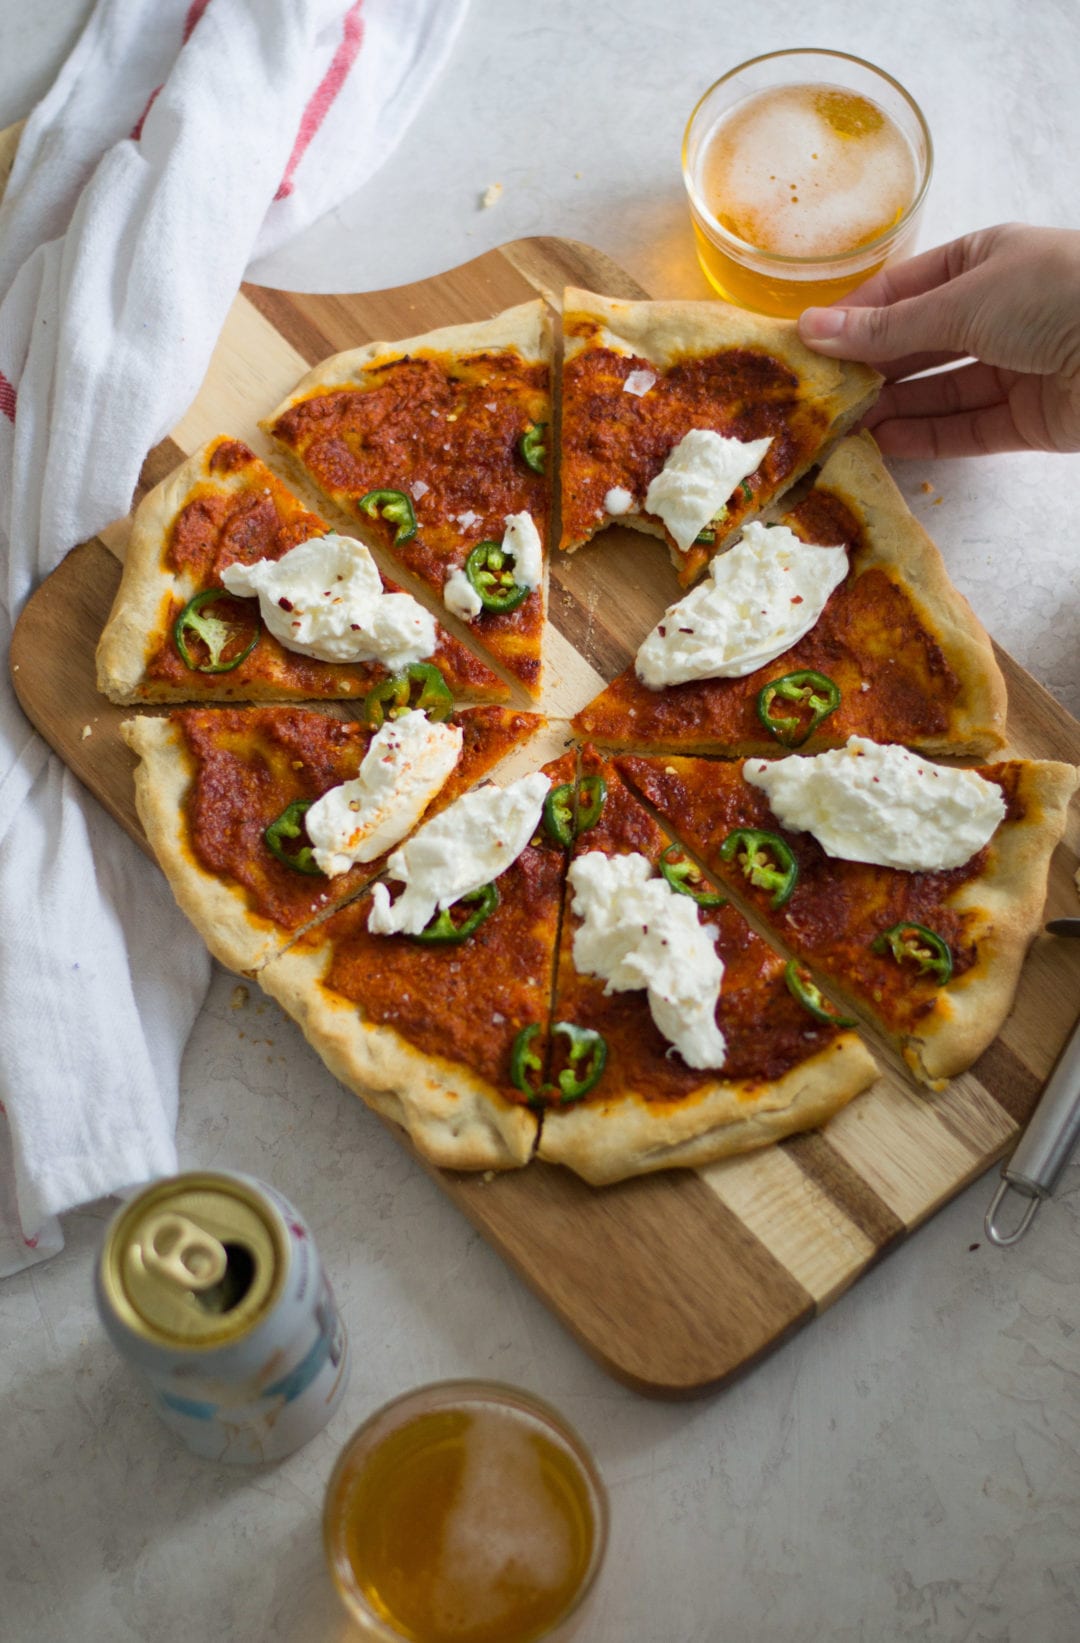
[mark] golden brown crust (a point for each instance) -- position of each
(1007, 905)
(665, 333)
(607, 1141)
(457, 1120)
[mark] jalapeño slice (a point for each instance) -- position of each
(289, 826)
(489, 568)
(813, 692)
(574, 807)
(915, 944)
(442, 930)
(524, 1062)
(686, 878)
(767, 860)
(395, 508)
(533, 446)
(801, 986)
(216, 634)
(420, 687)
(586, 1058)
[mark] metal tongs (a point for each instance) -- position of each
(1044, 1148)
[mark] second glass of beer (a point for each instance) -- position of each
(806, 171)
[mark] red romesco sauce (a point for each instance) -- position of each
(894, 680)
(250, 764)
(767, 1031)
(614, 438)
(455, 427)
(838, 908)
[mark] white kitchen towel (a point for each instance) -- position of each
(182, 139)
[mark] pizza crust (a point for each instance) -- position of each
(524, 328)
(662, 332)
(606, 1141)
(237, 937)
(146, 586)
(897, 543)
(458, 1121)
(1007, 902)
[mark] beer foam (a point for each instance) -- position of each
(502, 1534)
(808, 171)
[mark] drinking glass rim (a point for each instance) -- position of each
(835, 258)
(448, 1393)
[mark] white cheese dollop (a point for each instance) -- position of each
(522, 539)
(757, 600)
(406, 764)
(618, 501)
(637, 932)
(324, 598)
(460, 597)
(467, 845)
(699, 475)
(881, 804)
(639, 383)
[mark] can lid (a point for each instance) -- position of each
(195, 1261)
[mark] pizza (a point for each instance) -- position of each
(615, 1100)
(223, 794)
(425, 1030)
(437, 448)
(545, 966)
(685, 419)
(930, 957)
(897, 654)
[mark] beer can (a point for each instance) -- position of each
(210, 1286)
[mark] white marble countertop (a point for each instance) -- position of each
(908, 1466)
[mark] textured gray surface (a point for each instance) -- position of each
(908, 1467)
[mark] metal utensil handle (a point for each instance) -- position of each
(1043, 1150)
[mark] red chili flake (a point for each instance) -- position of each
(662, 631)
(797, 599)
(686, 630)
(354, 627)
(286, 604)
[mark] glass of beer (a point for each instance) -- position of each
(465, 1512)
(806, 172)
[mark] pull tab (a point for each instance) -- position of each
(993, 1232)
(176, 1249)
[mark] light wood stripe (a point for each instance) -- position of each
(794, 1218)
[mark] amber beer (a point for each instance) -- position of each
(466, 1512)
(805, 171)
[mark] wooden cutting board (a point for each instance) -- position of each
(677, 1281)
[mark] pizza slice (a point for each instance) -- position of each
(914, 889)
(896, 653)
(438, 445)
(684, 419)
(421, 1015)
(178, 633)
(705, 1045)
(226, 796)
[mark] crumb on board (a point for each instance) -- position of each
(489, 1175)
(926, 487)
(239, 998)
(491, 196)
(87, 730)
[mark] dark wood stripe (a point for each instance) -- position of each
(715, 1299)
(1009, 1080)
(846, 1188)
(577, 624)
(281, 310)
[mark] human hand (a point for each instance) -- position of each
(1002, 307)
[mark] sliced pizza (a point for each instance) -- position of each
(234, 591)
(776, 648)
(418, 1003)
(678, 1035)
(684, 419)
(227, 797)
(438, 445)
(915, 889)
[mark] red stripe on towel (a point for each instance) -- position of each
(327, 89)
(7, 405)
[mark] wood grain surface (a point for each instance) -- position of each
(678, 1281)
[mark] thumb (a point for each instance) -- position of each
(929, 323)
